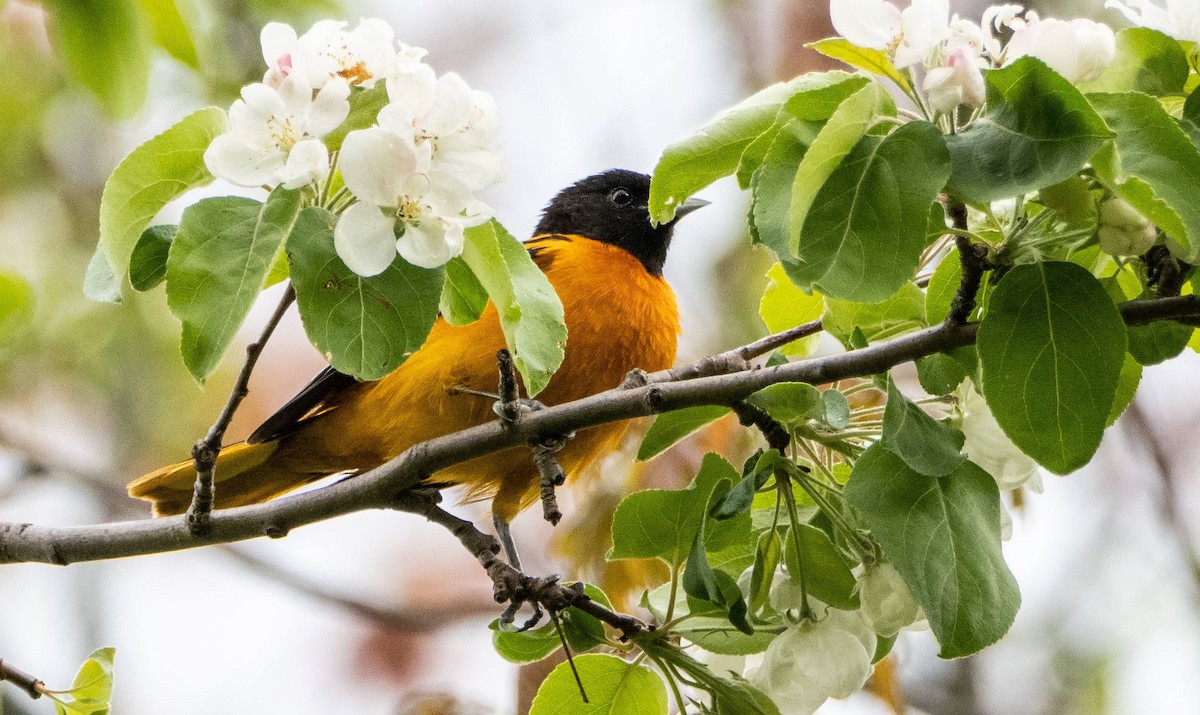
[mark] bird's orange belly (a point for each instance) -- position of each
(612, 328)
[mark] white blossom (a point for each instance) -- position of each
(909, 34)
(1123, 230)
(959, 82)
(987, 446)
(274, 134)
(429, 210)
(816, 660)
(449, 122)
(887, 603)
(1179, 19)
(328, 51)
(1077, 49)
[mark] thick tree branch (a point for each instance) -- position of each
(206, 451)
(379, 488)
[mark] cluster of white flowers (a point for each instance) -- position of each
(954, 51)
(829, 654)
(414, 174)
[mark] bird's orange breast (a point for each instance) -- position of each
(618, 317)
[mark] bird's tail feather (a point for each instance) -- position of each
(243, 476)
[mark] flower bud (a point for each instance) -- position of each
(1123, 230)
(959, 82)
(887, 604)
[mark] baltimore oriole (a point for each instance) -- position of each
(604, 257)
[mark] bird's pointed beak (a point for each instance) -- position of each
(689, 206)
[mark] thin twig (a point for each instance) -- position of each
(206, 451)
(750, 416)
(28, 684)
(510, 585)
(973, 259)
(378, 488)
(550, 475)
(509, 407)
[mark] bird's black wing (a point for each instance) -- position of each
(285, 421)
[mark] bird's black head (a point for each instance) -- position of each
(613, 207)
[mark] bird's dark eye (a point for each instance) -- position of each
(619, 197)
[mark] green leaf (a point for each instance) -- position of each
(151, 176)
(106, 47)
(1152, 164)
(1072, 201)
(792, 404)
(846, 126)
(866, 230)
(524, 646)
(670, 427)
(1127, 385)
(784, 306)
(170, 31)
(767, 554)
(1146, 61)
(1155, 342)
(218, 263)
(94, 682)
(827, 576)
(715, 588)
(1037, 130)
(715, 150)
(926, 445)
(1189, 122)
(837, 408)
(463, 296)
(940, 373)
(943, 535)
(16, 305)
(99, 283)
(365, 104)
(771, 191)
(661, 523)
(364, 327)
(613, 687)
(755, 153)
(531, 314)
(701, 582)
(901, 313)
(943, 284)
(1051, 348)
(148, 262)
(870, 60)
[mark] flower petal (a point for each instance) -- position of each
(330, 108)
(411, 82)
(431, 242)
(452, 106)
(307, 163)
(234, 158)
(277, 41)
(365, 239)
(376, 164)
(866, 23)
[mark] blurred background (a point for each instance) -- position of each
(380, 613)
